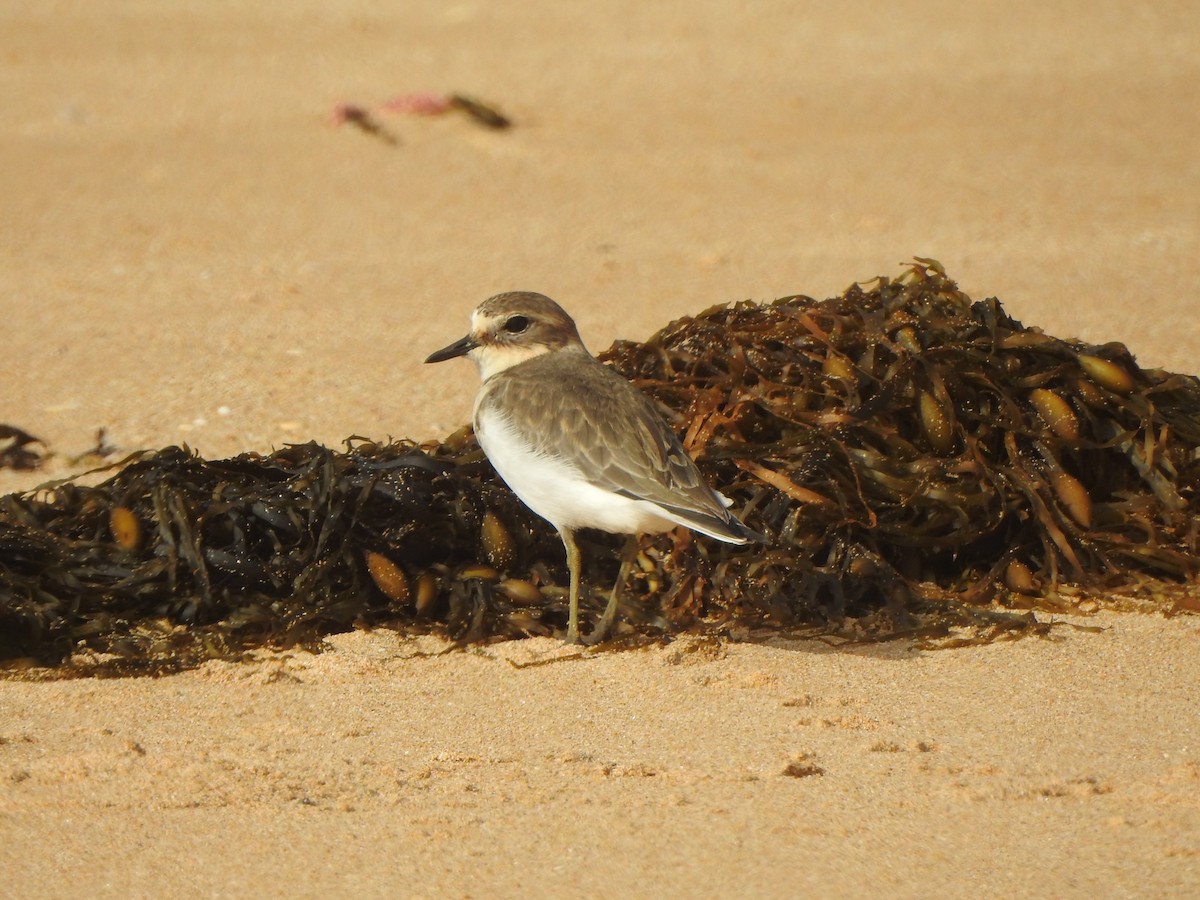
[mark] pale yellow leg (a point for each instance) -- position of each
(573, 561)
(604, 626)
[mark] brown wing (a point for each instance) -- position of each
(575, 408)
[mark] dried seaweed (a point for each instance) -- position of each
(177, 559)
(919, 462)
(485, 115)
(911, 435)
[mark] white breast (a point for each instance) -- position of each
(554, 489)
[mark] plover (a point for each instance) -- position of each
(580, 445)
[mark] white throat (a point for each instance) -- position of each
(492, 359)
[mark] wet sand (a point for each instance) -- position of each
(193, 253)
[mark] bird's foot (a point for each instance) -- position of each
(605, 626)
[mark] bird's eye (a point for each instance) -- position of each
(516, 324)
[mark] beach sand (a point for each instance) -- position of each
(193, 253)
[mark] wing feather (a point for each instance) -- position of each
(569, 405)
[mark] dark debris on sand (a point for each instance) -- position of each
(918, 461)
(19, 449)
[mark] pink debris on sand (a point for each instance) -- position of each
(419, 103)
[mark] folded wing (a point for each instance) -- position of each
(614, 438)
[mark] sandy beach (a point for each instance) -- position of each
(194, 252)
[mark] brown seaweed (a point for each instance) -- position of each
(919, 462)
(485, 115)
(362, 119)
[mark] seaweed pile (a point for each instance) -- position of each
(918, 462)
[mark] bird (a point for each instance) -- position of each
(577, 443)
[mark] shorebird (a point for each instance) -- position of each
(576, 442)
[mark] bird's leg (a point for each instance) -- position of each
(573, 560)
(604, 626)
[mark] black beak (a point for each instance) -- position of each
(458, 348)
